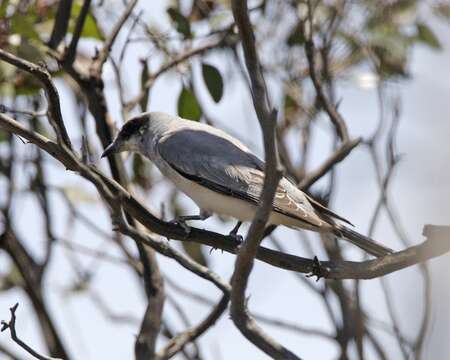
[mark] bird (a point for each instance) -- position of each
(222, 176)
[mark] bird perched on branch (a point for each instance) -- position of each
(221, 175)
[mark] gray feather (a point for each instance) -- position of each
(229, 168)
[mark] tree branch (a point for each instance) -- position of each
(107, 46)
(11, 325)
(368, 269)
(273, 173)
(330, 109)
(54, 107)
(169, 65)
(61, 25)
(70, 52)
(339, 155)
(177, 343)
(32, 285)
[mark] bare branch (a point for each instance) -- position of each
(61, 25)
(70, 52)
(170, 252)
(44, 77)
(273, 173)
(32, 284)
(169, 65)
(339, 155)
(6, 109)
(333, 113)
(177, 344)
(11, 325)
(107, 46)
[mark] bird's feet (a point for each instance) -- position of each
(236, 236)
(316, 269)
(234, 233)
(181, 220)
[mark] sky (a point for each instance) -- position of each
(419, 190)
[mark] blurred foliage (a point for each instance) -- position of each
(380, 34)
(296, 36)
(181, 23)
(442, 9)
(11, 279)
(3, 137)
(386, 36)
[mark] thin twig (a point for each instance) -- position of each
(70, 53)
(54, 108)
(331, 110)
(176, 344)
(107, 46)
(339, 155)
(61, 25)
(169, 65)
(11, 325)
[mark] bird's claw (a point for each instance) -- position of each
(316, 269)
(236, 236)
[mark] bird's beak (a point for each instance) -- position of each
(111, 149)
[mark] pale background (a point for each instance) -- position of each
(420, 192)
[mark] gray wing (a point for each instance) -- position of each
(222, 166)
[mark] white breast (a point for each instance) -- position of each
(217, 203)
(207, 199)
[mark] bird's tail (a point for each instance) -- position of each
(363, 242)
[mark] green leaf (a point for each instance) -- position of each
(188, 106)
(3, 7)
(296, 37)
(23, 24)
(144, 77)
(29, 52)
(182, 24)
(290, 106)
(90, 28)
(403, 12)
(11, 279)
(213, 81)
(426, 36)
(391, 63)
(195, 251)
(3, 136)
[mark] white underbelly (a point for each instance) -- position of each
(217, 203)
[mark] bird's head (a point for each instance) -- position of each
(132, 136)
